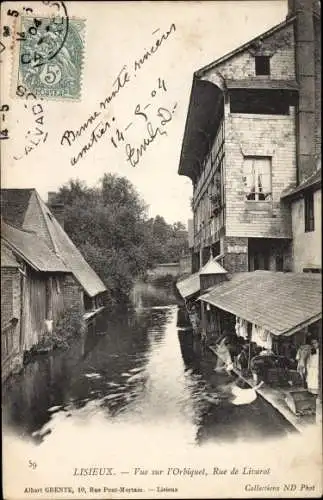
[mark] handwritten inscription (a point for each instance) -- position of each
(134, 154)
(99, 128)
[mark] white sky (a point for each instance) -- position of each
(117, 35)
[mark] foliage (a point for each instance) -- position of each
(68, 326)
(109, 224)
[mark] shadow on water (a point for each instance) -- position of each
(142, 364)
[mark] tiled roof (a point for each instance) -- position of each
(14, 204)
(279, 302)
(70, 254)
(32, 249)
(7, 260)
(313, 181)
(189, 286)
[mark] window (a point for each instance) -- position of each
(262, 65)
(257, 178)
(309, 212)
(262, 101)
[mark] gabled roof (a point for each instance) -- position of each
(70, 254)
(312, 182)
(212, 267)
(14, 204)
(14, 207)
(32, 249)
(245, 46)
(191, 285)
(282, 303)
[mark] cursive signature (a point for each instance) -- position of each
(134, 154)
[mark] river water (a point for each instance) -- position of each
(139, 371)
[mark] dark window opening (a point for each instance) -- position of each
(279, 263)
(216, 249)
(205, 255)
(309, 212)
(262, 65)
(259, 261)
(262, 101)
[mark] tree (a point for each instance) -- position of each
(109, 224)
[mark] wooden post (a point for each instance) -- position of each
(249, 355)
(203, 320)
(249, 331)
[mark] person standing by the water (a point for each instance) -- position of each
(224, 359)
(302, 356)
(195, 320)
(312, 368)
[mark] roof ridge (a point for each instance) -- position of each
(23, 230)
(42, 209)
(288, 20)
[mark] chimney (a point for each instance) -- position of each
(56, 207)
(307, 73)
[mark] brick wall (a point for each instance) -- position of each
(235, 254)
(280, 46)
(259, 135)
(73, 293)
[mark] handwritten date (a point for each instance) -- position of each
(134, 154)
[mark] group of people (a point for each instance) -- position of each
(259, 361)
(233, 351)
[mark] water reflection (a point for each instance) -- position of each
(141, 368)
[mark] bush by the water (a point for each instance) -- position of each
(67, 327)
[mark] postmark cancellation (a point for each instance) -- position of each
(48, 58)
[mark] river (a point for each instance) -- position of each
(140, 369)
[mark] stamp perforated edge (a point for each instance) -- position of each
(14, 65)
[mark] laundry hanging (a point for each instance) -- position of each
(241, 328)
(261, 337)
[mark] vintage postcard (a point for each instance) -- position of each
(161, 318)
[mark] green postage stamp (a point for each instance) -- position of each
(50, 57)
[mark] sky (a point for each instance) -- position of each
(115, 36)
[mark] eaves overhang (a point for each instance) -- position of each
(204, 114)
